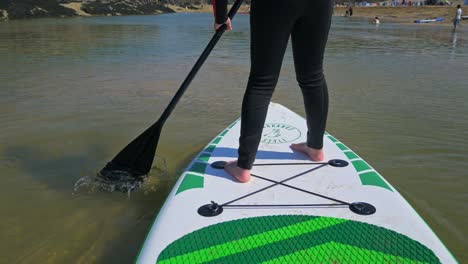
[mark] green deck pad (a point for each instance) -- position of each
(342, 146)
(351, 155)
(210, 148)
(216, 140)
(300, 238)
(204, 157)
(248, 227)
(198, 167)
(339, 254)
(361, 165)
(332, 138)
(373, 178)
(190, 181)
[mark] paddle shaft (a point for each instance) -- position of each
(214, 40)
(137, 157)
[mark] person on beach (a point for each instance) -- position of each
(350, 10)
(376, 21)
(458, 17)
(272, 23)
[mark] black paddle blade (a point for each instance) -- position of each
(136, 159)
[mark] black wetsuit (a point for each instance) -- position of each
(272, 22)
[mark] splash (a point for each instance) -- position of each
(121, 181)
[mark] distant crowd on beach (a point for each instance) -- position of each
(399, 3)
(376, 20)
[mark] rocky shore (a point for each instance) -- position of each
(20, 9)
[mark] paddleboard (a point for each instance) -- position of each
(292, 211)
(438, 19)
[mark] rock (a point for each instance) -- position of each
(17, 9)
(3, 15)
(35, 8)
(124, 8)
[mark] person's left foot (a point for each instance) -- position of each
(239, 174)
(313, 154)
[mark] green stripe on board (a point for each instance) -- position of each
(233, 124)
(360, 165)
(255, 241)
(341, 146)
(216, 140)
(332, 138)
(351, 155)
(190, 181)
(198, 167)
(372, 178)
(210, 148)
(341, 254)
(224, 133)
(204, 157)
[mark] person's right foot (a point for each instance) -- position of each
(238, 173)
(313, 154)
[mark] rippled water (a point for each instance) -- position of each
(75, 91)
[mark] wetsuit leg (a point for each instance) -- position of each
(271, 25)
(309, 37)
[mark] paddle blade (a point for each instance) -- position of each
(136, 158)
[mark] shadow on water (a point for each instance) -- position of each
(144, 209)
(133, 225)
(117, 233)
(58, 173)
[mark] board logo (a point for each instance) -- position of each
(275, 133)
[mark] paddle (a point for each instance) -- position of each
(136, 159)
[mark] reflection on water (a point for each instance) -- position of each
(75, 91)
(454, 39)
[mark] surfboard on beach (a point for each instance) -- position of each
(429, 20)
(292, 211)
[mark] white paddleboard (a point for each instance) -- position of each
(294, 210)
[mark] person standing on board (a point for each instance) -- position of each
(272, 23)
(457, 18)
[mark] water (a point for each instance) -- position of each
(76, 91)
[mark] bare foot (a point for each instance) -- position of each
(240, 174)
(313, 154)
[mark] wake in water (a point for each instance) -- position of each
(122, 181)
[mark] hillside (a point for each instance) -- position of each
(19, 9)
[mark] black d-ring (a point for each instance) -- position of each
(209, 210)
(218, 164)
(362, 208)
(338, 163)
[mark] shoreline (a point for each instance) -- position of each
(394, 14)
(400, 14)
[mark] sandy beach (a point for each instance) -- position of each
(386, 14)
(402, 14)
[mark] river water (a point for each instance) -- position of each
(73, 92)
